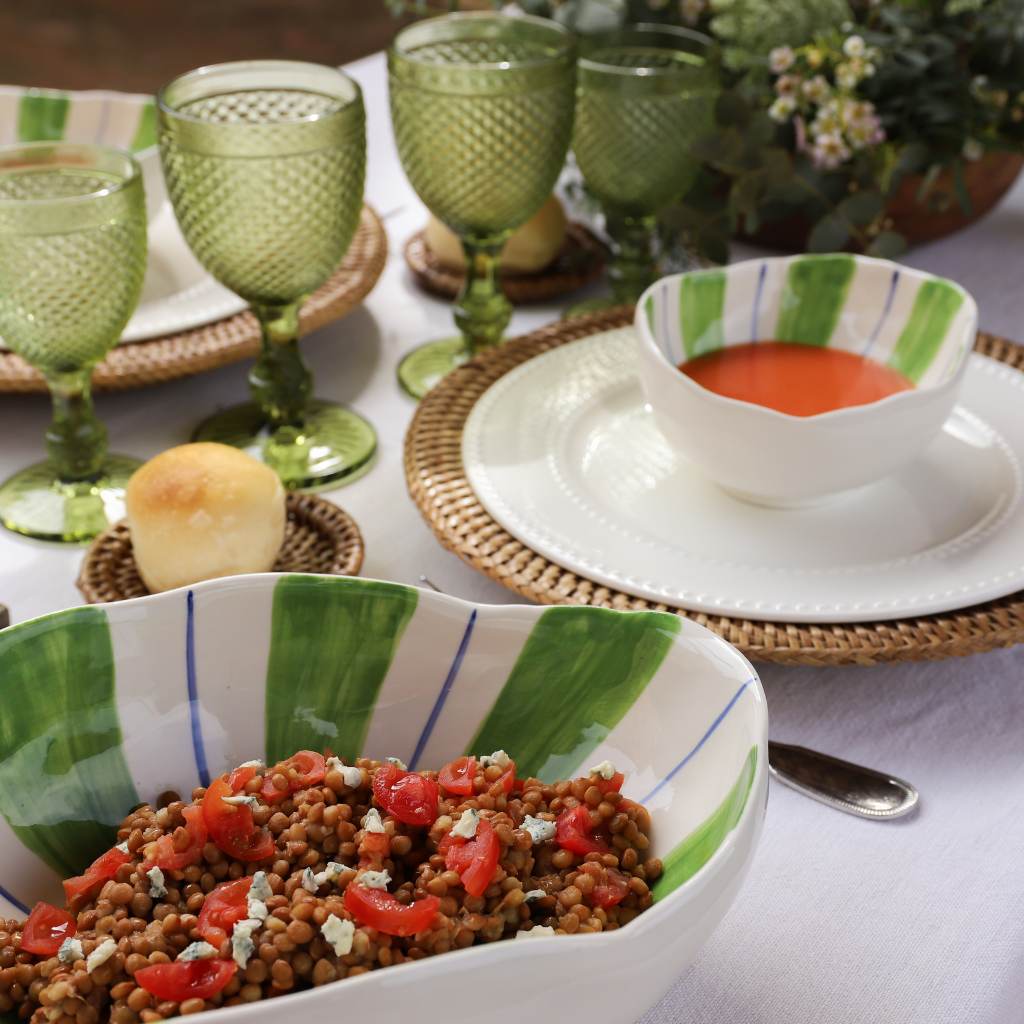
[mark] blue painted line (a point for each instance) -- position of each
(13, 900)
(755, 315)
(700, 743)
(886, 309)
(198, 747)
(442, 697)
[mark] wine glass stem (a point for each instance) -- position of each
(76, 440)
(481, 311)
(632, 264)
(280, 381)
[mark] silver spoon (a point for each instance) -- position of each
(847, 787)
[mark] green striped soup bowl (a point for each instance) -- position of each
(109, 705)
(916, 323)
(123, 120)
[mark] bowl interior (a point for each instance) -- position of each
(921, 325)
(122, 120)
(108, 706)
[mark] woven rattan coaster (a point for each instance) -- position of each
(438, 485)
(226, 341)
(319, 537)
(581, 261)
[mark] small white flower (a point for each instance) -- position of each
(829, 151)
(848, 74)
(816, 89)
(853, 46)
(782, 109)
(691, 10)
(973, 149)
(787, 85)
(781, 59)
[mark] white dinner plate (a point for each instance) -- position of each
(563, 453)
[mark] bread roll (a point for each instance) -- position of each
(531, 248)
(203, 510)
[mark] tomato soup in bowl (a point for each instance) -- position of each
(790, 379)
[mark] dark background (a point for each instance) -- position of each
(138, 45)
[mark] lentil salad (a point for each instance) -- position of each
(273, 880)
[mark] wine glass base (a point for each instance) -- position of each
(35, 503)
(424, 366)
(333, 446)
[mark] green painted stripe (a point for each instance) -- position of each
(814, 295)
(699, 846)
(579, 672)
(935, 305)
(701, 306)
(332, 643)
(145, 133)
(41, 117)
(649, 310)
(64, 781)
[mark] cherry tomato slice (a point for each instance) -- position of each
(611, 892)
(223, 908)
(241, 776)
(572, 832)
(186, 979)
(409, 797)
(231, 827)
(612, 785)
(508, 778)
(162, 853)
(310, 769)
(99, 871)
(46, 928)
(457, 776)
(474, 859)
(379, 909)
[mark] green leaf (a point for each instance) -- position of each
(760, 131)
(862, 208)
(960, 186)
(830, 234)
(731, 109)
(888, 245)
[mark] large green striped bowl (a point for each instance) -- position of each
(106, 706)
(122, 120)
(921, 325)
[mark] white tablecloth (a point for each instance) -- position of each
(916, 922)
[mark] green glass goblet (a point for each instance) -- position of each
(644, 95)
(265, 163)
(72, 260)
(482, 109)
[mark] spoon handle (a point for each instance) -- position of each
(840, 784)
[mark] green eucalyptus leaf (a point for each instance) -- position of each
(830, 234)
(888, 245)
(862, 208)
(960, 187)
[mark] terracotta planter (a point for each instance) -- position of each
(987, 180)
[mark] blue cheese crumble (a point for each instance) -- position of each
(242, 946)
(397, 762)
(540, 830)
(329, 873)
(242, 800)
(372, 822)
(157, 889)
(259, 893)
(70, 951)
(100, 955)
(309, 881)
(499, 757)
(375, 879)
(350, 775)
(198, 951)
(605, 769)
(123, 847)
(466, 825)
(535, 894)
(339, 934)
(536, 932)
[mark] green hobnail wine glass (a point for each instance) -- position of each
(72, 260)
(643, 96)
(265, 163)
(482, 109)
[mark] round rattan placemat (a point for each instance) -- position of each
(581, 261)
(205, 348)
(438, 485)
(319, 537)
